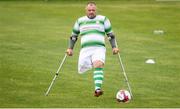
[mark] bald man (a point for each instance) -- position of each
(92, 29)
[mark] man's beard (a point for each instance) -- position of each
(91, 16)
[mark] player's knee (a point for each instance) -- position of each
(98, 64)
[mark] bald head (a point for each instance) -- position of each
(91, 10)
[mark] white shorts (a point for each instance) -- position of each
(88, 55)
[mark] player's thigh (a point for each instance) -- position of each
(98, 57)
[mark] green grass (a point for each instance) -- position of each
(34, 36)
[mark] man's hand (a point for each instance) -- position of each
(115, 51)
(69, 52)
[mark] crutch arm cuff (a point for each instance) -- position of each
(112, 41)
(72, 41)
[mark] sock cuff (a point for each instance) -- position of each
(98, 69)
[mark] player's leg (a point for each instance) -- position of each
(98, 63)
(98, 74)
(98, 77)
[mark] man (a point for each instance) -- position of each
(92, 29)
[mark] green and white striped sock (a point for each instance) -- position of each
(98, 78)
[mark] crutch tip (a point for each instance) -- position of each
(46, 94)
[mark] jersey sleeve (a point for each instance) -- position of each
(75, 30)
(107, 26)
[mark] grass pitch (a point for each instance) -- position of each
(34, 36)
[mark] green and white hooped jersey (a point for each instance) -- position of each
(92, 31)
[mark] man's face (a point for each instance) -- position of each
(91, 10)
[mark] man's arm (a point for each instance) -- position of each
(111, 36)
(72, 41)
(112, 41)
